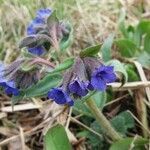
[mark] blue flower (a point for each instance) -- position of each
(39, 21)
(60, 96)
(38, 50)
(9, 86)
(101, 76)
(78, 87)
(43, 13)
(35, 23)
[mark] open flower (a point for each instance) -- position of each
(78, 87)
(101, 76)
(60, 96)
(8, 85)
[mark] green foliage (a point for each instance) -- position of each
(136, 41)
(132, 75)
(136, 143)
(106, 48)
(90, 51)
(56, 139)
(98, 97)
(147, 43)
(123, 122)
(144, 59)
(65, 65)
(67, 39)
(141, 29)
(121, 23)
(126, 47)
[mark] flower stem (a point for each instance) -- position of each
(103, 122)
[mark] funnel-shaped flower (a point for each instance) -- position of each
(78, 87)
(60, 96)
(78, 82)
(101, 76)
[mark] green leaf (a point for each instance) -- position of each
(99, 98)
(142, 28)
(118, 123)
(123, 122)
(80, 107)
(41, 88)
(147, 43)
(90, 51)
(144, 59)
(126, 143)
(56, 139)
(65, 65)
(67, 39)
(132, 74)
(119, 67)
(126, 47)
(121, 22)
(129, 121)
(106, 48)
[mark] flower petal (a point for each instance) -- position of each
(31, 29)
(98, 83)
(59, 96)
(38, 50)
(43, 13)
(109, 77)
(78, 87)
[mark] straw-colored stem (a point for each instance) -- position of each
(102, 120)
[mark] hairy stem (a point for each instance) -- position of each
(103, 122)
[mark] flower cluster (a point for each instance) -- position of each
(85, 75)
(44, 31)
(35, 26)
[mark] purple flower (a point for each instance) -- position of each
(35, 23)
(60, 96)
(44, 13)
(38, 50)
(101, 76)
(32, 29)
(9, 86)
(78, 87)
